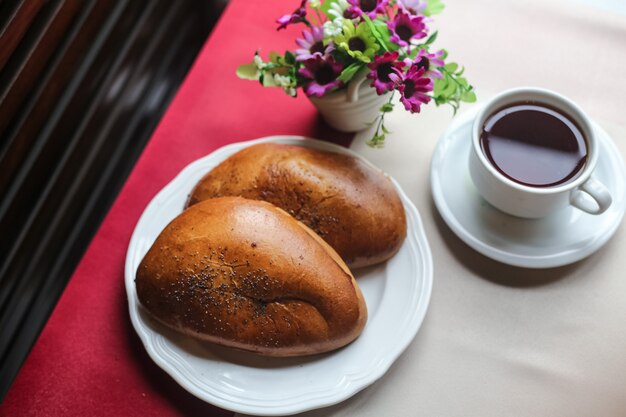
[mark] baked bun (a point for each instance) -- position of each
(245, 274)
(351, 205)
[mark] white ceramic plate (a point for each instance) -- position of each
(559, 239)
(397, 295)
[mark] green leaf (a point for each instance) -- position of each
(434, 7)
(326, 6)
(385, 35)
(451, 67)
(348, 73)
(268, 81)
(387, 108)
(449, 90)
(469, 97)
(431, 38)
(440, 84)
(290, 58)
(452, 89)
(247, 72)
(376, 32)
(377, 141)
(385, 130)
(275, 57)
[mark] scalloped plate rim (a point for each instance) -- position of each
(350, 383)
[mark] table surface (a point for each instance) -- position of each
(496, 338)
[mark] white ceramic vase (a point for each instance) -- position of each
(353, 108)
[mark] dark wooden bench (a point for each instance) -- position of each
(82, 86)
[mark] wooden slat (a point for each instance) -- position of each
(8, 8)
(18, 24)
(23, 80)
(32, 156)
(23, 146)
(74, 140)
(67, 137)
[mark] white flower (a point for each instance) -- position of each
(336, 15)
(286, 83)
(333, 28)
(258, 61)
(282, 80)
(338, 8)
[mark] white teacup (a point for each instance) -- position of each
(583, 192)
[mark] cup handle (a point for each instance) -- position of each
(591, 197)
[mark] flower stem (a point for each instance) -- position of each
(320, 21)
(378, 140)
(381, 117)
(451, 75)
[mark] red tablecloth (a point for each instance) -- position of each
(88, 360)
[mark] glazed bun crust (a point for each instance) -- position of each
(245, 274)
(350, 204)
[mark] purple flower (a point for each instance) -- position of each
(386, 70)
(297, 16)
(312, 44)
(369, 7)
(405, 28)
(429, 62)
(320, 75)
(414, 88)
(413, 7)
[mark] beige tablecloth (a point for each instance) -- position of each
(499, 340)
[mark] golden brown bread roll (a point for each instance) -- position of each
(351, 205)
(245, 274)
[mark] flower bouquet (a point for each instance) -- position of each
(384, 42)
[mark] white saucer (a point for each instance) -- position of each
(559, 239)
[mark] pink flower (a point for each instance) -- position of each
(386, 70)
(312, 43)
(369, 7)
(320, 75)
(405, 28)
(429, 62)
(414, 88)
(296, 17)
